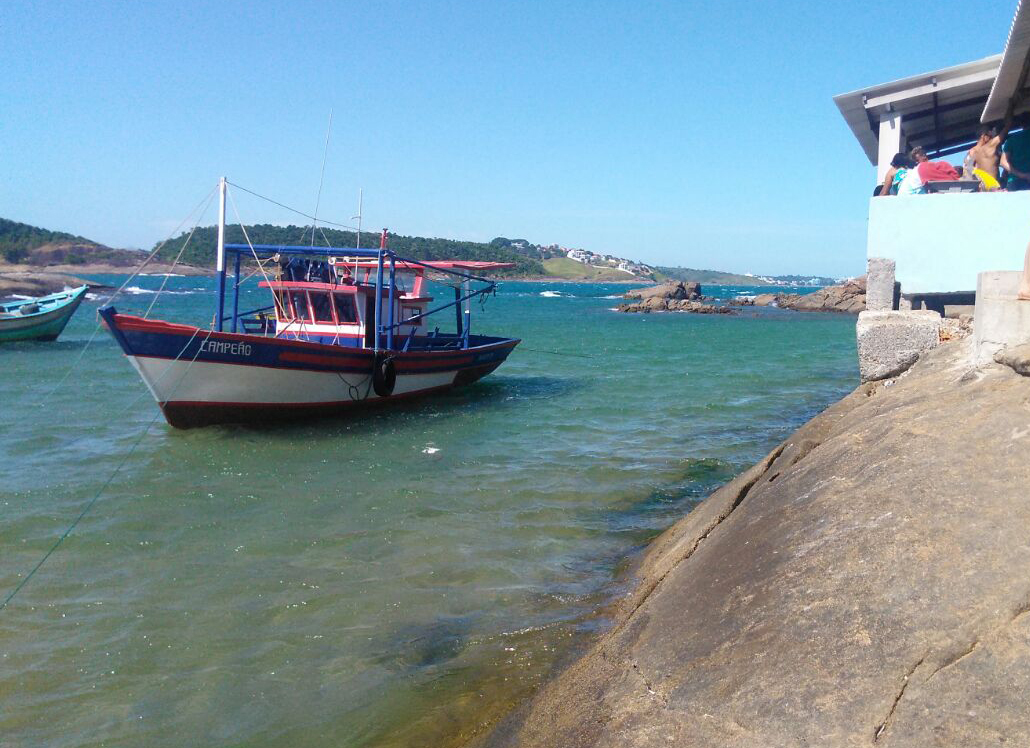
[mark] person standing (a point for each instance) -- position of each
(983, 158)
(1015, 158)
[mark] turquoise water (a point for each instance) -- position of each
(398, 580)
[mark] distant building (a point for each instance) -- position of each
(940, 242)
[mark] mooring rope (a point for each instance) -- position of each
(555, 353)
(111, 477)
(205, 203)
(185, 244)
(275, 299)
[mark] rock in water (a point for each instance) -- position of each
(849, 297)
(656, 304)
(675, 290)
(41, 284)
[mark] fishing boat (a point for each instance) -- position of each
(41, 318)
(345, 328)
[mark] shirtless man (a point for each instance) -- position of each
(985, 154)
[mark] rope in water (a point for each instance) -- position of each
(110, 478)
(555, 353)
(205, 203)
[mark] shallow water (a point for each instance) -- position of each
(397, 580)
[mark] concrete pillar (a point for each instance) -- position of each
(891, 141)
(1000, 320)
(890, 342)
(879, 293)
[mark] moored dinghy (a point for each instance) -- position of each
(41, 318)
(345, 328)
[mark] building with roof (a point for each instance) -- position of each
(941, 242)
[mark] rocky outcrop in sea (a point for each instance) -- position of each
(848, 297)
(675, 296)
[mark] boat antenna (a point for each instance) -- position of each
(321, 179)
(357, 241)
(357, 244)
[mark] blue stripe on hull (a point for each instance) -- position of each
(256, 350)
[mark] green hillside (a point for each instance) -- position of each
(201, 249)
(714, 277)
(566, 269)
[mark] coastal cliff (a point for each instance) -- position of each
(866, 584)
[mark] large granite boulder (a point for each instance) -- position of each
(849, 297)
(675, 290)
(782, 300)
(866, 584)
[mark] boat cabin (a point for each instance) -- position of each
(341, 307)
(332, 300)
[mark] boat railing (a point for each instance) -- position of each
(386, 266)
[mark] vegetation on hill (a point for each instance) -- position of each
(566, 269)
(17, 240)
(714, 277)
(202, 247)
(31, 245)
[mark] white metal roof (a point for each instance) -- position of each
(940, 109)
(1012, 73)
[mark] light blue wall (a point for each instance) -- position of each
(941, 242)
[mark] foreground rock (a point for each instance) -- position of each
(866, 584)
(673, 291)
(848, 297)
(41, 284)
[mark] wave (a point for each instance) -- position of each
(137, 291)
(163, 275)
(552, 294)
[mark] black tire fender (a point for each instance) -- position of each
(384, 374)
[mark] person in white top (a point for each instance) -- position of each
(911, 184)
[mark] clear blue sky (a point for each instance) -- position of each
(681, 133)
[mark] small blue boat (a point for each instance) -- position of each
(42, 318)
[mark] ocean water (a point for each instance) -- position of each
(397, 580)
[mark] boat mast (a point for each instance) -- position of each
(378, 315)
(357, 243)
(220, 257)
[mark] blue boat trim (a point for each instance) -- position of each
(42, 318)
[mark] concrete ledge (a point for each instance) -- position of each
(1000, 320)
(890, 342)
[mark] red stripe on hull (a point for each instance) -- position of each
(186, 415)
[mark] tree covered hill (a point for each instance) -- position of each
(202, 247)
(17, 240)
